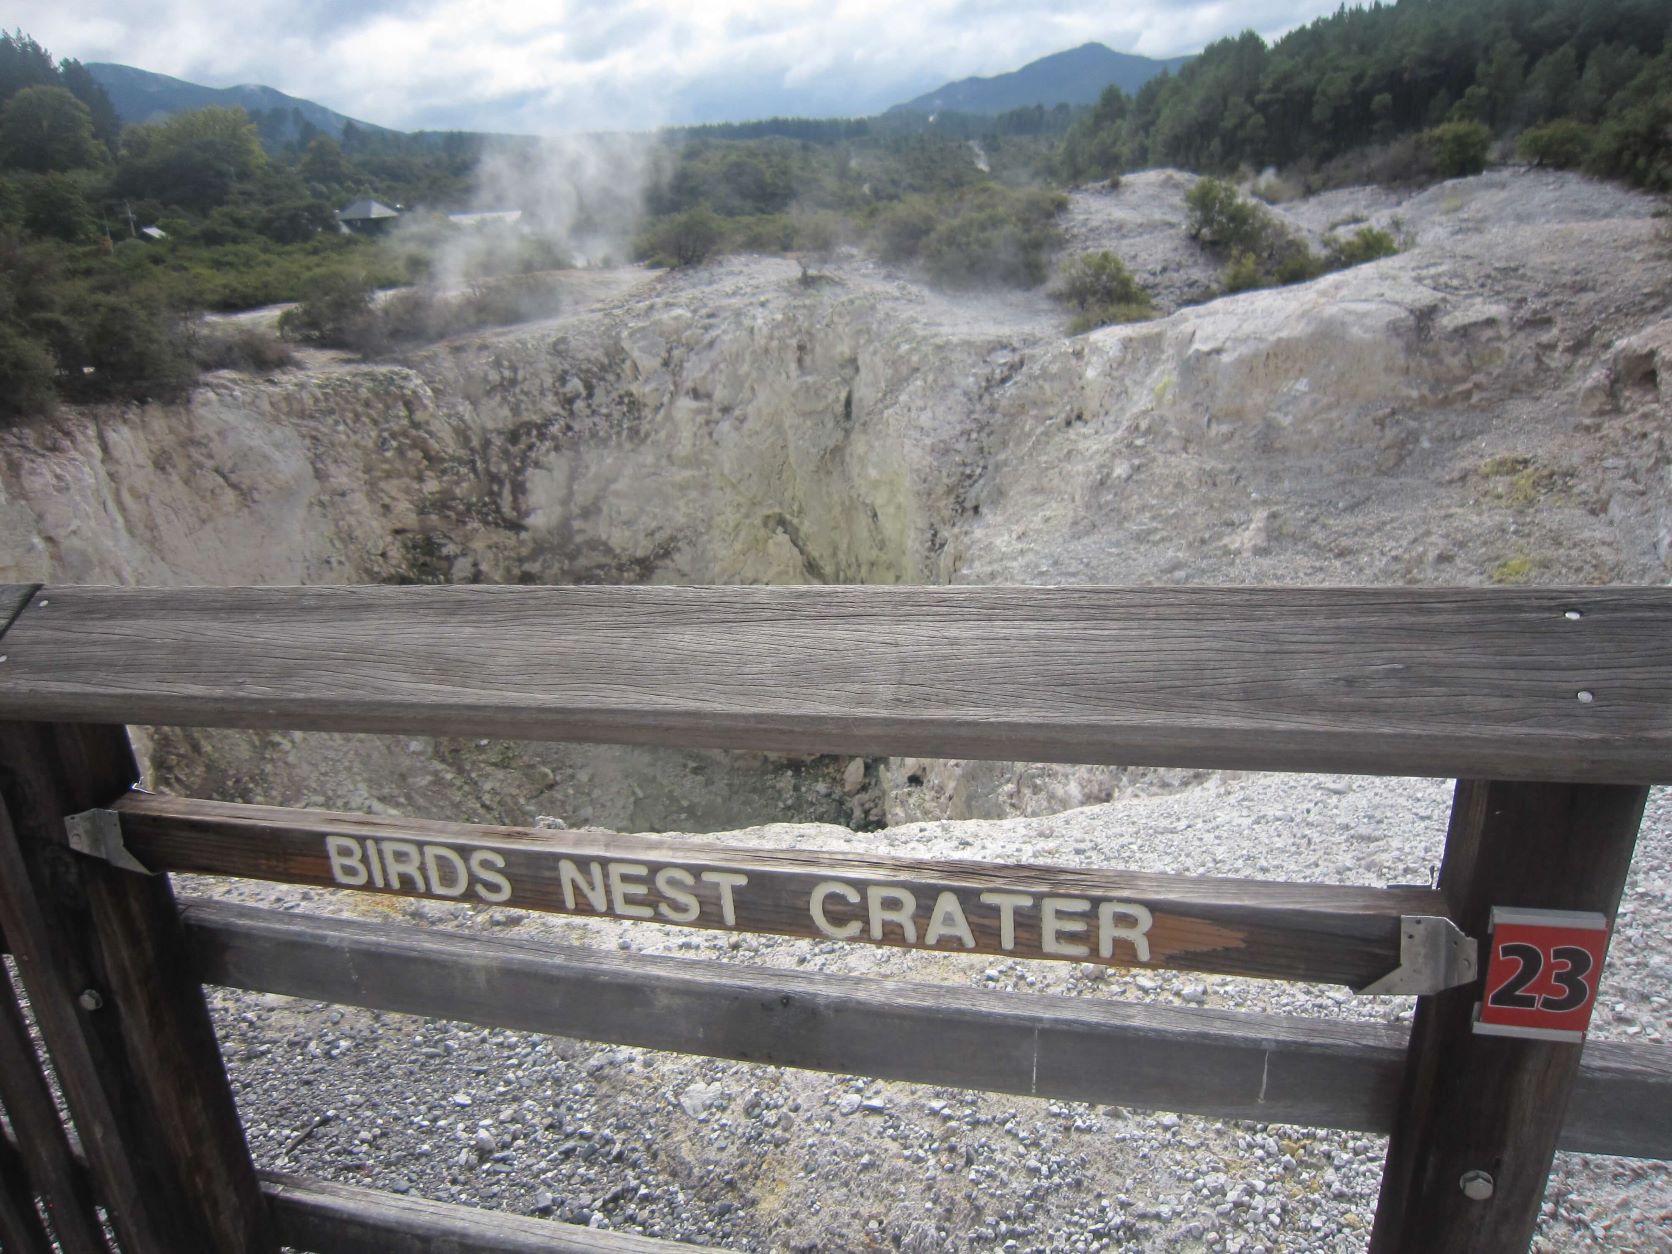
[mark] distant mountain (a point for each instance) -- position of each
(1075, 77)
(141, 96)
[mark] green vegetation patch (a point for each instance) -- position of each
(1517, 481)
(1100, 290)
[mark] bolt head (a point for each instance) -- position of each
(1477, 1186)
(90, 999)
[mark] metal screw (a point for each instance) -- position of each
(90, 999)
(1573, 616)
(1477, 1185)
(1586, 696)
(41, 605)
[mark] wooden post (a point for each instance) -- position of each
(53, 1173)
(103, 960)
(20, 1223)
(1477, 1103)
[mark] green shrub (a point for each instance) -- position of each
(1368, 243)
(1109, 315)
(26, 375)
(1296, 263)
(1637, 145)
(1222, 218)
(1244, 274)
(687, 238)
(238, 346)
(55, 206)
(902, 228)
(335, 310)
(1455, 149)
(1100, 281)
(1564, 143)
(132, 348)
(768, 233)
(995, 236)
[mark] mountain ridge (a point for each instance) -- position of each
(145, 96)
(1076, 76)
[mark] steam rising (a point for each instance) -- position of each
(581, 198)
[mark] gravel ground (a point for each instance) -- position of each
(768, 1159)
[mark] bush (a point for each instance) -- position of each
(55, 207)
(1297, 264)
(1368, 243)
(1109, 315)
(1244, 274)
(1221, 217)
(1637, 145)
(335, 310)
(1564, 144)
(986, 247)
(26, 371)
(1455, 149)
(1100, 281)
(238, 346)
(902, 229)
(131, 348)
(688, 238)
(995, 236)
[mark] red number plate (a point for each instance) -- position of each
(1541, 973)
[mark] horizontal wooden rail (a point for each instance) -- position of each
(326, 1218)
(1536, 683)
(1217, 1063)
(1317, 932)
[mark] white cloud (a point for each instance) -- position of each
(573, 65)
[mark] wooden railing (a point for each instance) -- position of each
(1553, 708)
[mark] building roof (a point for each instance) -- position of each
(507, 216)
(366, 211)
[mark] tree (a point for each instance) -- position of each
(324, 165)
(47, 128)
(55, 206)
(107, 127)
(192, 159)
(26, 371)
(23, 63)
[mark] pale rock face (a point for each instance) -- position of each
(735, 425)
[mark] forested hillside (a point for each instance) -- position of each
(1586, 82)
(113, 239)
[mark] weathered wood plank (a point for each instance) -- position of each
(326, 1218)
(13, 597)
(1621, 1102)
(52, 1170)
(1383, 681)
(1493, 1104)
(21, 1231)
(1266, 1067)
(102, 956)
(1318, 932)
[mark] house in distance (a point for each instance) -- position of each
(368, 217)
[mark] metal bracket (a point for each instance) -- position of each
(1434, 955)
(98, 834)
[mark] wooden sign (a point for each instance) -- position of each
(1315, 932)
(1542, 973)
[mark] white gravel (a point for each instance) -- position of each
(761, 1158)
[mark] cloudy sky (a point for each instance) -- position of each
(551, 66)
